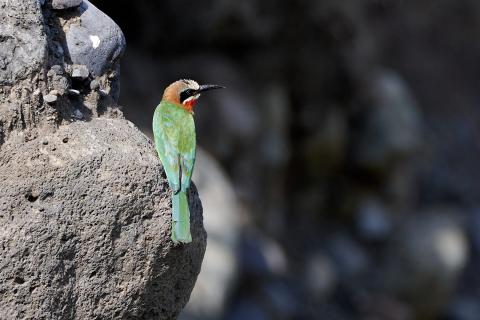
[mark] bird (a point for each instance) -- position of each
(175, 141)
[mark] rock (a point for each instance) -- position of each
(433, 247)
(94, 84)
(464, 308)
(248, 309)
(95, 40)
(320, 276)
(274, 147)
(261, 256)
(373, 221)
(50, 98)
(219, 269)
(392, 126)
(85, 208)
(78, 114)
(57, 79)
(473, 227)
(80, 72)
(281, 299)
(65, 4)
(23, 48)
(350, 258)
(325, 149)
(85, 227)
(386, 308)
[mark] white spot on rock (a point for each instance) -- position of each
(95, 41)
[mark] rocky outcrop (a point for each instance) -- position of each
(84, 203)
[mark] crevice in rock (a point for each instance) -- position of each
(19, 280)
(31, 197)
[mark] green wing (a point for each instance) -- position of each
(165, 143)
(187, 151)
(175, 141)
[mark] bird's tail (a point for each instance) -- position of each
(180, 218)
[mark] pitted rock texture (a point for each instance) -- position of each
(22, 41)
(85, 207)
(85, 228)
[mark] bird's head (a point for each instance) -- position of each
(185, 93)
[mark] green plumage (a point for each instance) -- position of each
(175, 141)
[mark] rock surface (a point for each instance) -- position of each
(392, 128)
(96, 41)
(65, 4)
(79, 72)
(84, 205)
(23, 48)
(85, 223)
(433, 248)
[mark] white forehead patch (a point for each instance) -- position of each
(191, 84)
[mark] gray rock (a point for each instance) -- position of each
(85, 227)
(387, 308)
(65, 4)
(464, 308)
(392, 128)
(261, 256)
(95, 41)
(274, 147)
(373, 220)
(282, 299)
(433, 247)
(94, 84)
(22, 48)
(85, 209)
(78, 114)
(320, 275)
(326, 148)
(80, 72)
(50, 98)
(57, 79)
(248, 309)
(350, 258)
(473, 227)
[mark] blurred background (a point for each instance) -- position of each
(339, 170)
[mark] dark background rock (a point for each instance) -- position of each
(218, 277)
(84, 205)
(342, 121)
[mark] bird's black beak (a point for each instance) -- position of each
(207, 87)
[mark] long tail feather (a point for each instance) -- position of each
(180, 218)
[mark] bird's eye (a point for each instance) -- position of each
(185, 94)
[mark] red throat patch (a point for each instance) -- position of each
(188, 105)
